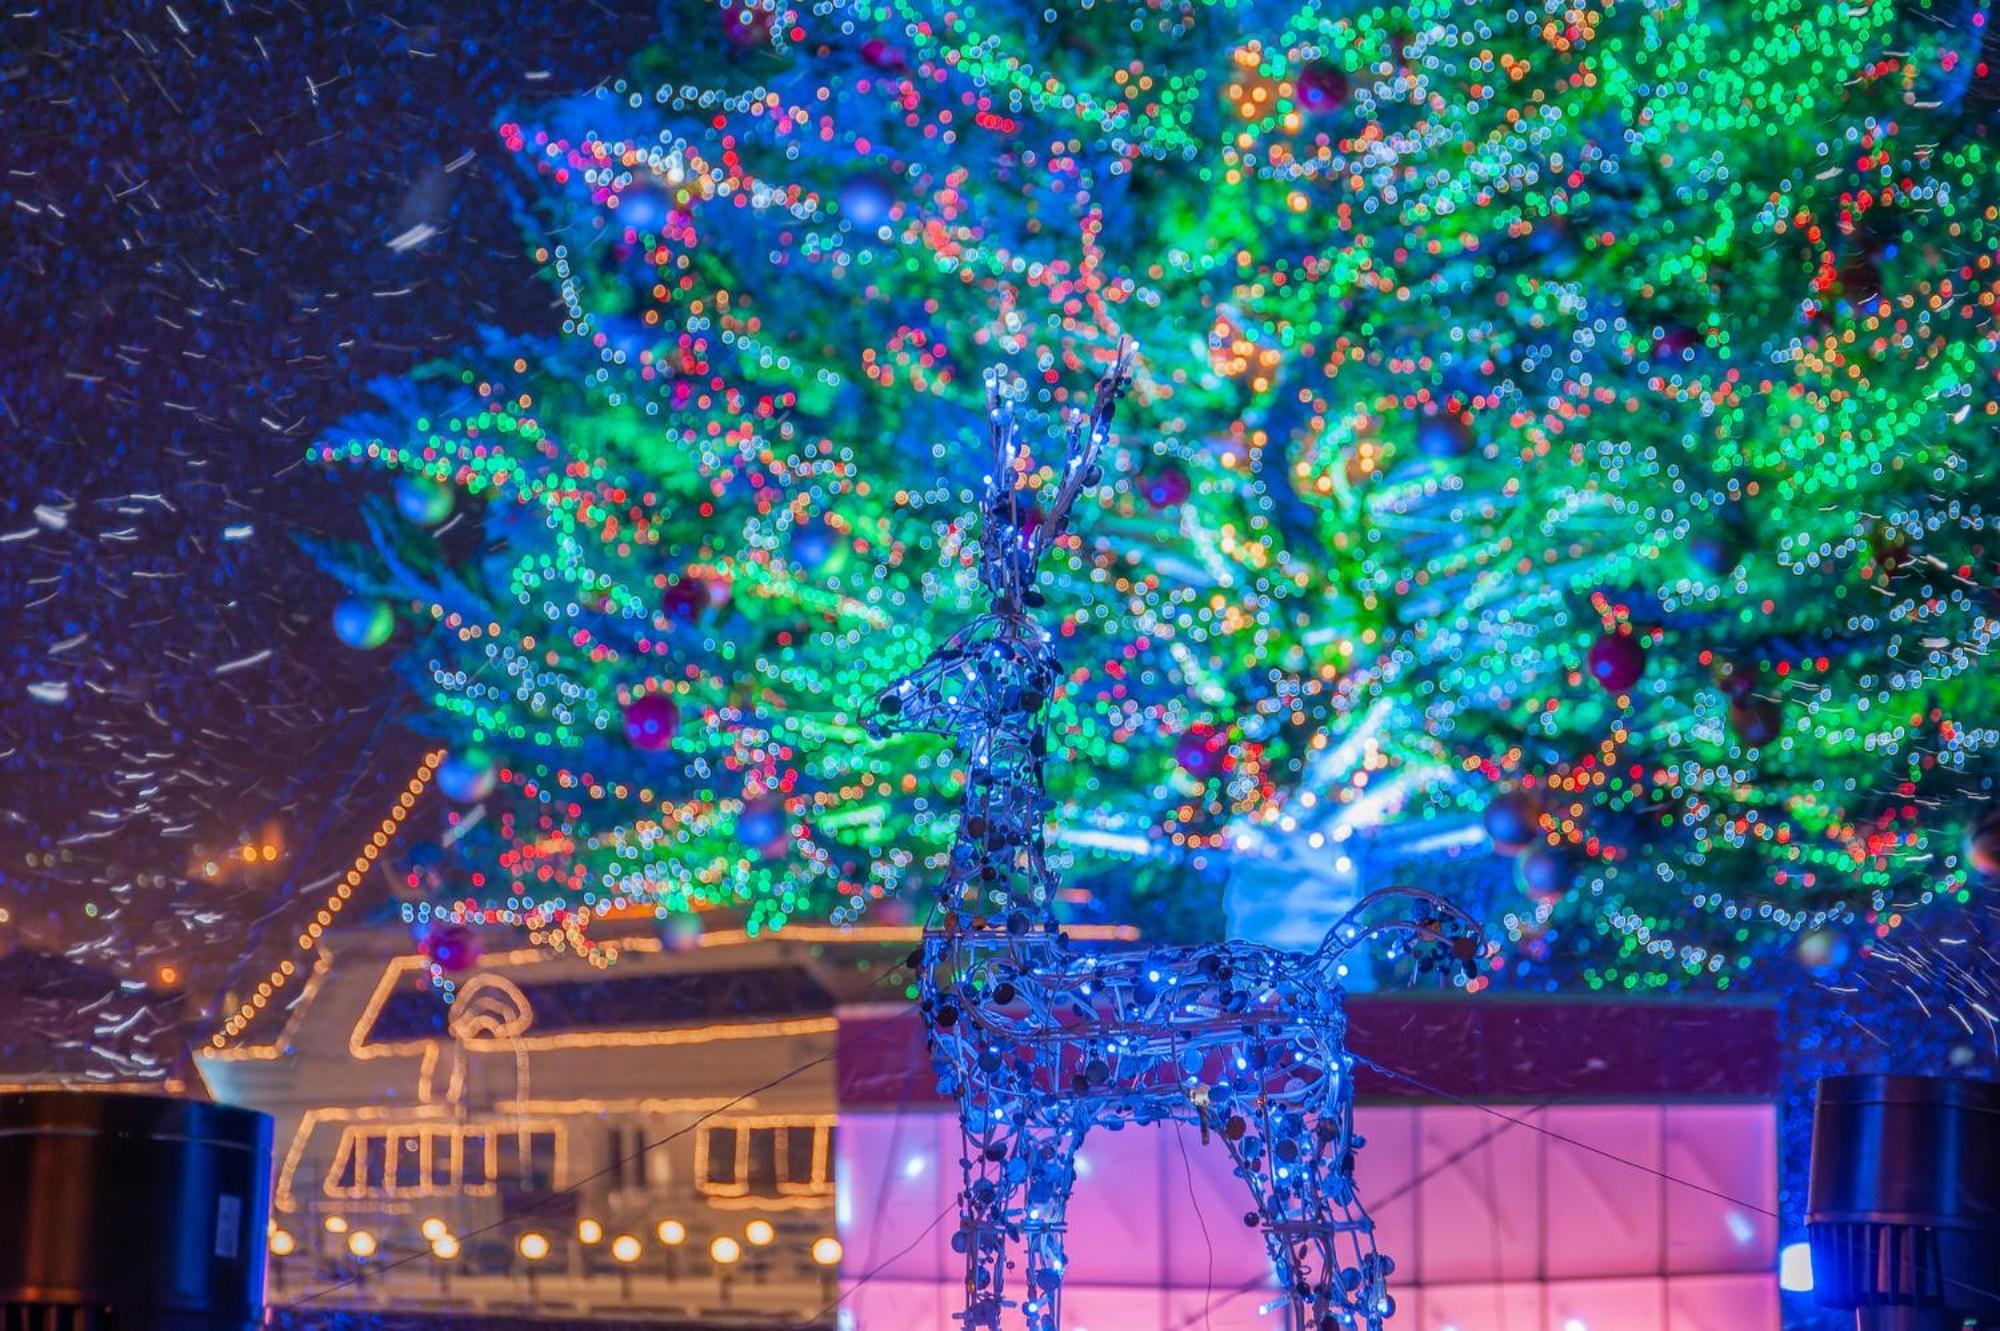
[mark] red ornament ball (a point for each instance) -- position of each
(1202, 750)
(1322, 87)
(452, 948)
(651, 722)
(1616, 661)
(1675, 342)
(1735, 676)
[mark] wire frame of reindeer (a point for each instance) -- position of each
(1040, 1042)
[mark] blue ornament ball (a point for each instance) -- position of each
(363, 622)
(1544, 872)
(1716, 549)
(866, 199)
(1824, 950)
(761, 825)
(1512, 819)
(467, 777)
(424, 501)
(813, 543)
(1443, 437)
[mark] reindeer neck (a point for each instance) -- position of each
(999, 883)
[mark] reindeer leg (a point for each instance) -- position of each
(1300, 1168)
(1048, 1155)
(986, 1224)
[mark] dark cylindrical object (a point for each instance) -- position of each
(1903, 1205)
(131, 1213)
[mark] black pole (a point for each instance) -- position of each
(146, 1211)
(1903, 1203)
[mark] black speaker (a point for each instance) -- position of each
(1903, 1204)
(131, 1213)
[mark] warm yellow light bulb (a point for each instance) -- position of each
(625, 1248)
(760, 1232)
(672, 1233)
(433, 1229)
(589, 1231)
(361, 1243)
(532, 1246)
(827, 1251)
(725, 1250)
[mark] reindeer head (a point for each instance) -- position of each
(990, 680)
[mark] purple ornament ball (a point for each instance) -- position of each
(1616, 661)
(884, 55)
(651, 722)
(747, 24)
(1322, 87)
(453, 948)
(1201, 750)
(1756, 720)
(1166, 488)
(684, 600)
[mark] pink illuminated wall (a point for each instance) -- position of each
(1492, 1225)
(1578, 1217)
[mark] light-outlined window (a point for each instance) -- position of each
(635, 1156)
(446, 1159)
(780, 1156)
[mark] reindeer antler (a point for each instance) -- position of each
(1010, 545)
(1081, 445)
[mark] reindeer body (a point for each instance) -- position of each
(1040, 1042)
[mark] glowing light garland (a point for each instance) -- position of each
(269, 989)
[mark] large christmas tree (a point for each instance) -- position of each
(1563, 427)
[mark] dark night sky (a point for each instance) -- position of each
(198, 200)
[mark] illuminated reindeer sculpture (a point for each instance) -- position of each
(1040, 1043)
